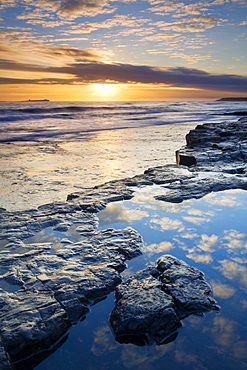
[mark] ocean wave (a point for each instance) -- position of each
(59, 121)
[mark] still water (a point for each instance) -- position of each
(210, 234)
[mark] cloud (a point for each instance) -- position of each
(97, 71)
(7, 3)
(200, 258)
(167, 223)
(159, 248)
(208, 243)
(75, 54)
(232, 270)
(119, 213)
(196, 220)
(234, 242)
(75, 8)
(65, 8)
(116, 21)
(222, 290)
(227, 337)
(223, 199)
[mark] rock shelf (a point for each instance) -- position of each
(54, 290)
(151, 303)
(46, 289)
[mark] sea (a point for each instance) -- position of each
(50, 149)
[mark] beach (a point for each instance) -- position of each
(205, 227)
(50, 149)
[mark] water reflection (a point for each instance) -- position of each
(223, 199)
(223, 291)
(103, 341)
(234, 271)
(196, 220)
(116, 213)
(225, 334)
(167, 223)
(161, 247)
(210, 234)
(200, 258)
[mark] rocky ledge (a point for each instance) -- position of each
(51, 290)
(46, 288)
(150, 304)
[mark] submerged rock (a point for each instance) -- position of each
(151, 303)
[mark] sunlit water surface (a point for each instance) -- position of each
(210, 234)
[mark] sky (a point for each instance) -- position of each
(97, 50)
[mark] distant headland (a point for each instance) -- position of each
(233, 99)
(38, 100)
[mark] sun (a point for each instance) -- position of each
(105, 91)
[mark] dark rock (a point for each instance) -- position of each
(151, 303)
(5, 361)
(30, 322)
(55, 290)
(143, 309)
(240, 98)
(185, 160)
(186, 285)
(201, 185)
(223, 136)
(60, 216)
(96, 199)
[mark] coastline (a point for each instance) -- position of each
(36, 173)
(215, 167)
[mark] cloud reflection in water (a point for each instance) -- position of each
(210, 234)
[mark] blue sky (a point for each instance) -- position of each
(151, 44)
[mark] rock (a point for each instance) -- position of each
(143, 310)
(30, 322)
(59, 216)
(186, 285)
(215, 142)
(185, 160)
(5, 362)
(54, 289)
(48, 288)
(96, 199)
(202, 184)
(235, 98)
(151, 303)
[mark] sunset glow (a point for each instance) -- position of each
(144, 50)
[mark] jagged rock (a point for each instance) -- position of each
(151, 303)
(201, 185)
(59, 216)
(30, 322)
(54, 290)
(186, 285)
(96, 199)
(215, 142)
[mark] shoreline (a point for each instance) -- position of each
(37, 174)
(212, 160)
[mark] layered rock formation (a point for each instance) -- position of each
(45, 288)
(46, 291)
